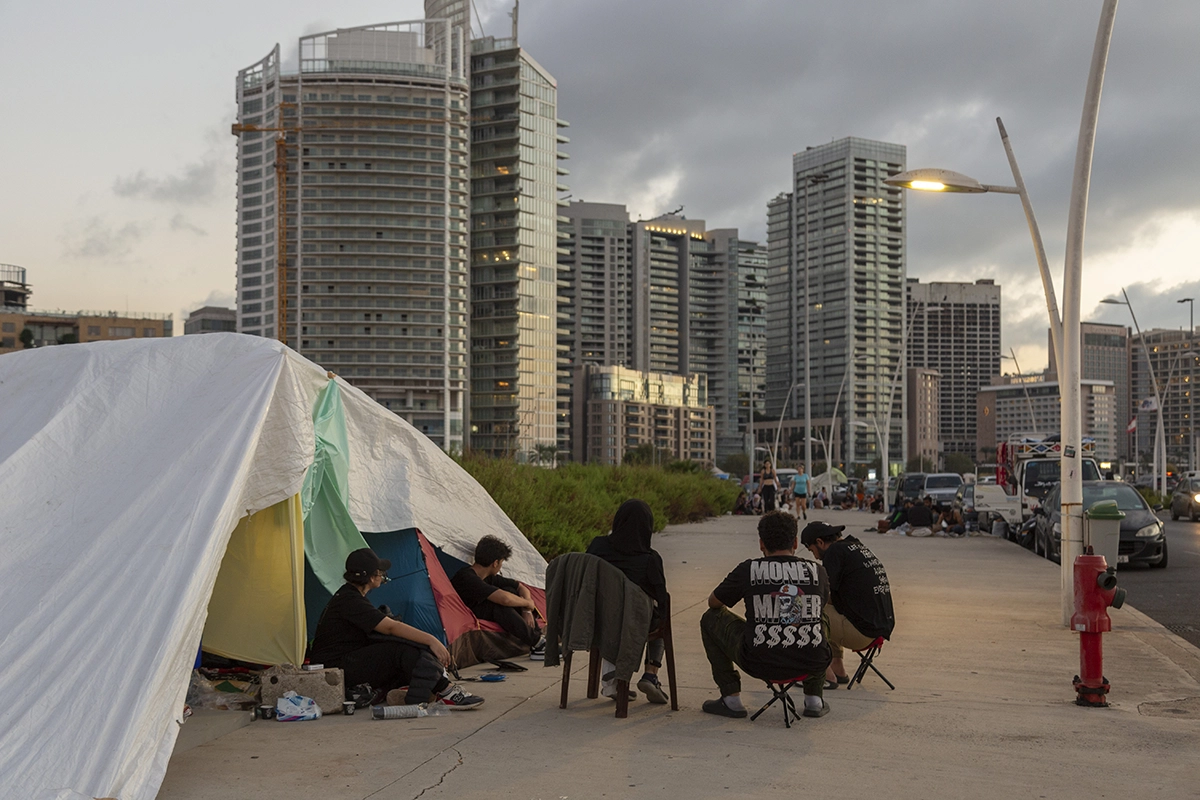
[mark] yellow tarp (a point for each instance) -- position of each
(256, 612)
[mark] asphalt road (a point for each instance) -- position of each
(1170, 596)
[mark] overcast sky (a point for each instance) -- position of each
(117, 166)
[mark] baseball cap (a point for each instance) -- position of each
(819, 530)
(363, 563)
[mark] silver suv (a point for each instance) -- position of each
(942, 486)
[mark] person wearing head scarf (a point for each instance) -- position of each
(628, 549)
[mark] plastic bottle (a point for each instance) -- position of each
(409, 711)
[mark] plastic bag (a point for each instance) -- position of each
(294, 707)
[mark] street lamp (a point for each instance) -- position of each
(814, 181)
(1191, 374)
(1025, 386)
(1160, 442)
(1064, 334)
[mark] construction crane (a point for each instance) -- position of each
(281, 145)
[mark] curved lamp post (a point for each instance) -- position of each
(1065, 335)
(1160, 440)
(1191, 301)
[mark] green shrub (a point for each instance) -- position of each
(561, 510)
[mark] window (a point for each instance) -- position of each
(147, 331)
(9, 327)
(120, 333)
(93, 330)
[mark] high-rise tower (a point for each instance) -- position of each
(836, 258)
(352, 213)
(954, 328)
(515, 365)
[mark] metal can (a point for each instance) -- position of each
(265, 711)
(348, 708)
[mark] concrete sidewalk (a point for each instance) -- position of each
(983, 708)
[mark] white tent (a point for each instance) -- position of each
(124, 469)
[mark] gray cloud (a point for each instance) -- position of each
(181, 223)
(98, 239)
(723, 99)
(196, 183)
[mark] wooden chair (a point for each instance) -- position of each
(594, 660)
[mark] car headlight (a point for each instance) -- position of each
(1196, 497)
(1150, 530)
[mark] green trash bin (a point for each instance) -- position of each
(1102, 529)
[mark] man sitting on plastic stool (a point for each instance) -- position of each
(860, 607)
(781, 637)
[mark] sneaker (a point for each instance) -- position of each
(457, 699)
(538, 651)
(649, 685)
(719, 708)
(609, 689)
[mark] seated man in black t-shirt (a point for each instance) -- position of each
(373, 648)
(495, 598)
(781, 637)
(860, 597)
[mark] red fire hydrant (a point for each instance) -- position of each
(1095, 590)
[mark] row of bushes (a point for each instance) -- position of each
(561, 510)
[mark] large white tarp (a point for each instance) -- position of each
(124, 467)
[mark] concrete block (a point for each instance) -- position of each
(326, 686)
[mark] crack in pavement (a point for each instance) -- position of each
(442, 779)
(454, 747)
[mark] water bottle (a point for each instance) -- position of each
(409, 711)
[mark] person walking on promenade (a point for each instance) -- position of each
(800, 489)
(768, 484)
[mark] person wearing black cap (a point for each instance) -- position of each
(860, 597)
(628, 549)
(373, 648)
(781, 637)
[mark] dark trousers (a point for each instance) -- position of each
(510, 620)
(768, 496)
(390, 665)
(722, 633)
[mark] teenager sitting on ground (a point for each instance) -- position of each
(899, 517)
(920, 518)
(742, 506)
(378, 650)
(495, 598)
(628, 549)
(781, 637)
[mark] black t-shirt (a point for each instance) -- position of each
(919, 516)
(858, 586)
(345, 625)
(475, 590)
(784, 597)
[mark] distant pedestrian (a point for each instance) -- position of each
(800, 487)
(768, 484)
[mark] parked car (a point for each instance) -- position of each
(1143, 539)
(942, 486)
(911, 484)
(1185, 502)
